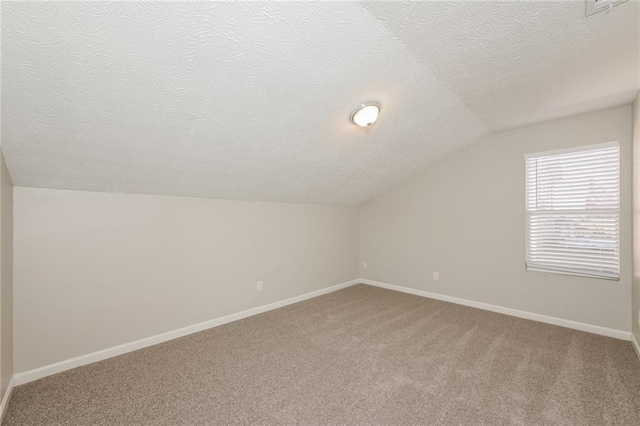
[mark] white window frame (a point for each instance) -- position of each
(603, 275)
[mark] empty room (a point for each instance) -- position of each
(320, 213)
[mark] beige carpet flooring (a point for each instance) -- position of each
(362, 355)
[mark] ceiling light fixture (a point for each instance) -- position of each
(366, 114)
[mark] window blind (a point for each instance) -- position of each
(573, 211)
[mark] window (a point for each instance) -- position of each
(573, 211)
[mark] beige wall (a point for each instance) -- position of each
(635, 315)
(95, 270)
(6, 277)
(464, 217)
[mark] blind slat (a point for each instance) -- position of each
(573, 212)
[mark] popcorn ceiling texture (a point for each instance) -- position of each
(521, 62)
(251, 100)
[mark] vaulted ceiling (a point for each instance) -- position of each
(252, 100)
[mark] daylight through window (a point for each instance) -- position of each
(573, 211)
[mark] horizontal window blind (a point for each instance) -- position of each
(573, 211)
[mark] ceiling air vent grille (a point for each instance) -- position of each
(596, 6)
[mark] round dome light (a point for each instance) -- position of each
(366, 114)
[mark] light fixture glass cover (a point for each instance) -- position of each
(366, 114)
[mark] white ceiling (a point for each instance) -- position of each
(251, 100)
(518, 63)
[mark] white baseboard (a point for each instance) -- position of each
(47, 370)
(636, 345)
(6, 398)
(590, 328)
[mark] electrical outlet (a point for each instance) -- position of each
(436, 276)
(260, 285)
(364, 265)
(638, 318)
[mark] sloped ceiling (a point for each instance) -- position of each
(522, 62)
(251, 100)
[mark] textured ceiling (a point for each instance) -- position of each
(251, 100)
(521, 62)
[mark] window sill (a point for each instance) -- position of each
(576, 274)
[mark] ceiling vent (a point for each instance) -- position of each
(596, 6)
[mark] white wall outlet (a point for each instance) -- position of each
(436, 276)
(364, 265)
(638, 318)
(260, 285)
